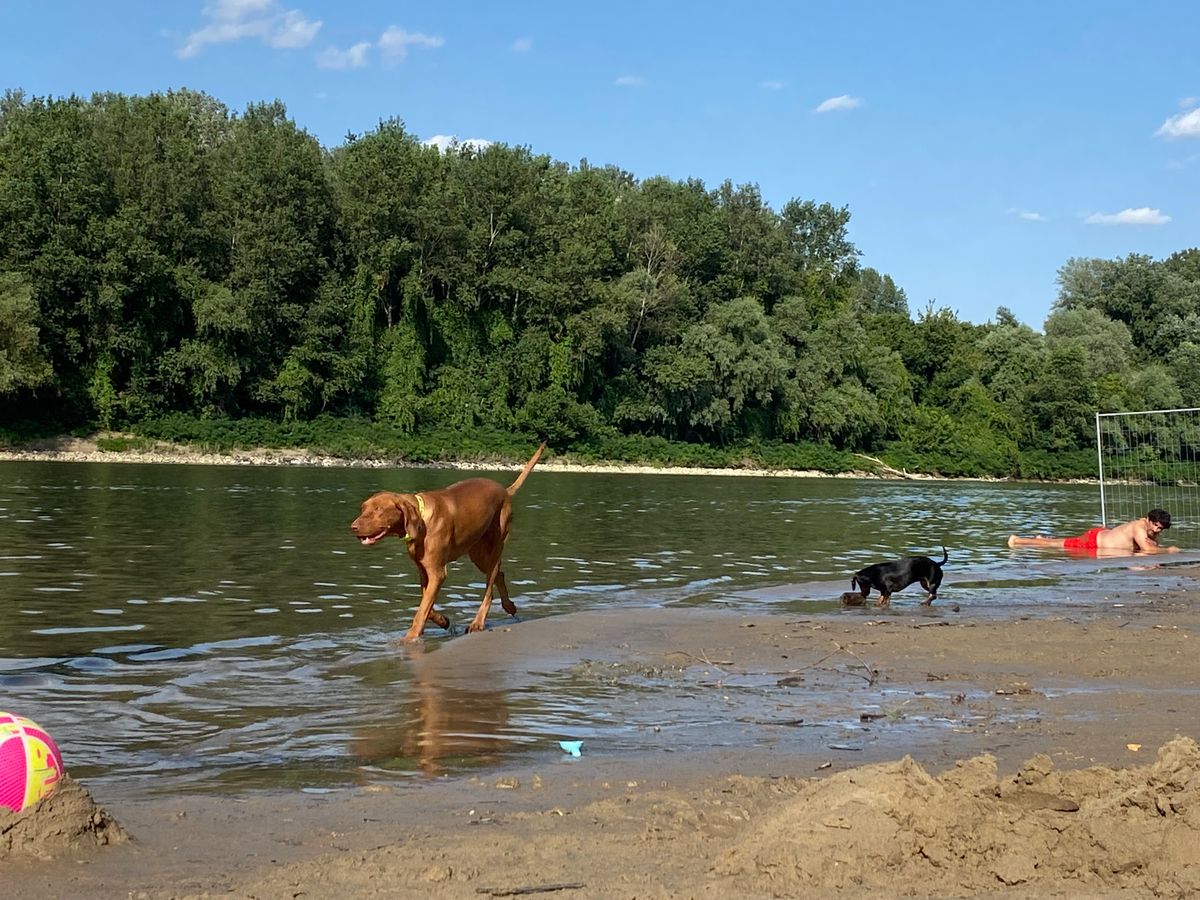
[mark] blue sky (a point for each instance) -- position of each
(977, 146)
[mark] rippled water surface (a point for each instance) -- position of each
(212, 627)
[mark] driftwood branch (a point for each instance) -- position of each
(899, 473)
(532, 889)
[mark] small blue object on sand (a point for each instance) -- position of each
(571, 747)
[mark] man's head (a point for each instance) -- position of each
(1159, 517)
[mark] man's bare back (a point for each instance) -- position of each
(1139, 536)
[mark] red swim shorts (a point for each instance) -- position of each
(1086, 541)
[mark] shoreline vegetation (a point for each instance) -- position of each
(330, 441)
(118, 447)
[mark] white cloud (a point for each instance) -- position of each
(773, 85)
(836, 104)
(394, 42)
(1186, 124)
(351, 58)
(522, 45)
(235, 20)
(1189, 102)
(1143, 215)
(1027, 215)
(446, 142)
(227, 10)
(630, 81)
(295, 31)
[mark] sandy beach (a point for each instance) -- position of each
(1048, 755)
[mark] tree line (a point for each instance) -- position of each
(163, 256)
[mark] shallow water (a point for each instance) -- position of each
(198, 627)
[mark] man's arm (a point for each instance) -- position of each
(1143, 542)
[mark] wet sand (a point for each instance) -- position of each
(1017, 757)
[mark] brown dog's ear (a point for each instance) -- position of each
(414, 525)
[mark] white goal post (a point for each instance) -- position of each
(1150, 460)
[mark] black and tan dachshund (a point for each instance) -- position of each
(889, 577)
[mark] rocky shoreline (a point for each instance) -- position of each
(86, 450)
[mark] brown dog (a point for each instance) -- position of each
(471, 516)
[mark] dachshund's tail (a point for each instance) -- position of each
(945, 556)
(516, 485)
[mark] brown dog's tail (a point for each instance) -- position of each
(516, 485)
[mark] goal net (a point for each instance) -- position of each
(1150, 460)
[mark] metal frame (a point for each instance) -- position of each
(1100, 449)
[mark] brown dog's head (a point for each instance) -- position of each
(387, 513)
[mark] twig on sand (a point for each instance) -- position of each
(872, 674)
(532, 889)
(716, 664)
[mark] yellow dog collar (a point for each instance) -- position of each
(408, 538)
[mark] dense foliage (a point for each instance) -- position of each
(165, 261)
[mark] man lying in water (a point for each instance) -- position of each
(1140, 536)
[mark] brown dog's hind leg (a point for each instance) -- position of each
(486, 555)
(505, 600)
(488, 561)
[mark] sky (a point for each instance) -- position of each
(977, 146)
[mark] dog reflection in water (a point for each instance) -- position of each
(444, 725)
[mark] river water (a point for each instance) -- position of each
(208, 628)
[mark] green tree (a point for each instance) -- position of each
(54, 196)
(1106, 344)
(1136, 291)
(23, 364)
(710, 385)
(275, 214)
(1013, 358)
(874, 293)
(1063, 401)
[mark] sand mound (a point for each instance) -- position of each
(895, 828)
(66, 820)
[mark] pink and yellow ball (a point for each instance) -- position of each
(30, 764)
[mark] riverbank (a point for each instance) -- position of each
(1036, 756)
(87, 450)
